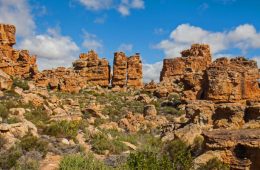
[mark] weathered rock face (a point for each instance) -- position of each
(241, 146)
(196, 59)
(93, 69)
(5, 81)
(119, 69)
(127, 71)
(134, 71)
(88, 70)
(7, 36)
(224, 80)
(16, 63)
(188, 70)
(230, 80)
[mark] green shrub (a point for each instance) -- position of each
(32, 143)
(27, 164)
(38, 117)
(8, 159)
(214, 164)
(148, 160)
(80, 162)
(100, 143)
(63, 129)
(20, 83)
(179, 154)
(3, 111)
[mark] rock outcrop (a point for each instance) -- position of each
(188, 70)
(5, 81)
(93, 69)
(14, 62)
(134, 71)
(119, 69)
(193, 60)
(127, 71)
(230, 80)
(241, 147)
(89, 69)
(224, 80)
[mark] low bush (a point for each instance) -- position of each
(148, 160)
(8, 158)
(20, 83)
(80, 162)
(100, 143)
(214, 164)
(63, 129)
(3, 111)
(31, 143)
(179, 154)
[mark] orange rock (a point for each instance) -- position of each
(119, 70)
(134, 71)
(16, 63)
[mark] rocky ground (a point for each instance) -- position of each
(203, 115)
(126, 129)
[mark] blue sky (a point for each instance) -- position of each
(58, 30)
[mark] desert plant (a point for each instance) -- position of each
(214, 164)
(80, 162)
(100, 143)
(20, 83)
(8, 158)
(32, 143)
(3, 111)
(179, 154)
(148, 160)
(63, 129)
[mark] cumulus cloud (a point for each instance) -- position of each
(257, 59)
(18, 14)
(122, 6)
(52, 48)
(152, 71)
(51, 45)
(91, 42)
(97, 4)
(125, 47)
(243, 37)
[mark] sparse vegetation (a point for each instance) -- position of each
(80, 162)
(148, 160)
(179, 154)
(214, 164)
(20, 83)
(63, 129)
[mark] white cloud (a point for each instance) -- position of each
(122, 6)
(52, 48)
(91, 42)
(243, 37)
(152, 71)
(51, 45)
(125, 47)
(18, 14)
(97, 4)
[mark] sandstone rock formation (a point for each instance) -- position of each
(16, 63)
(89, 69)
(224, 80)
(134, 71)
(193, 60)
(188, 70)
(241, 146)
(230, 80)
(119, 69)
(127, 71)
(5, 81)
(93, 69)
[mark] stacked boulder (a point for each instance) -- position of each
(17, 63)
(127, 71)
